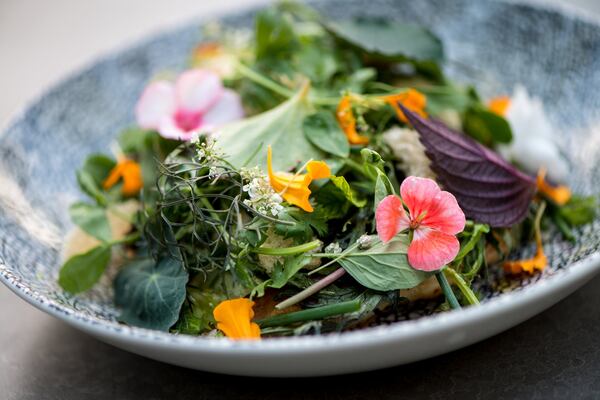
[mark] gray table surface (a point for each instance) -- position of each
(554, 355)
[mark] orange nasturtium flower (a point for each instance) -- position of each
(347, 122)
(234, 319)
(294, 187)
(412, 99)
(537, 262)
(131, 174)
(499, 105)
(558, 194)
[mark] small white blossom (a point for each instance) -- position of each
(261, 195)
(409, 151)
(333, 247)
(534, 138)
(207, 151)
(365, 241)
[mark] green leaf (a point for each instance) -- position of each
(349, 193)
(384, 267)
(486, 127)
(381, 191)
(246, 141)
(331, 202)
(82, 271)
(323, 131)
(274, 34)
(285, 271)
(390, 41)
(579, 210)
(91, 219)
(151, 293)
(90, 177)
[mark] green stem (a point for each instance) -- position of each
(441, 278)
(287, 251)
(462, 285)
(310, 314)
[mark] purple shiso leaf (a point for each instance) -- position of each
(487, 187)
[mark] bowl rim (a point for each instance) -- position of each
(376, 336)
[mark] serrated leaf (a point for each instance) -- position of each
(91, 219)
(389, 40)
(323, 131)
(349, 193)
(384, 267)
(487, 187)
(151, 293)
(245, 142)
(82, 271)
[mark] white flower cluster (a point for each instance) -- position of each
(409, 151)
(333, 248)
(207, 151)
(261, 195)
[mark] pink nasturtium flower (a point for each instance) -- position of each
(196, 101)
(434, 217)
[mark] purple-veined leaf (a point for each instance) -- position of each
(487, 187)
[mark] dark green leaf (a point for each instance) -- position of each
(391, 41)
(486, 127)
(92, 219)
(151, 293)
(384, 267)
(82, 271)
(322, 130)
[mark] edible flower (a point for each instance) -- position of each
(412, 99)
(434, 219)
(130, 173)
(537, 262)
(560, 195)
(234, 319)
(499, 105)
(197, 101)
(347, 122)
(534, 144)
(215, 57)
(294, 187)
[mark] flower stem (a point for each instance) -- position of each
(287, 251)
(310, 314)
(462, 285)
(312, 289)
(441, 278)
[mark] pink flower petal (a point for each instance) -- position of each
(417, 194)
(156, 102)
(437, 208)
(445, 214)
(390, 218)
(198, 90)
(430, 250)
(169, 129)
(228, 108)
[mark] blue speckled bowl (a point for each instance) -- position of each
(497, 45)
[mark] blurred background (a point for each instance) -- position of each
(42, 41)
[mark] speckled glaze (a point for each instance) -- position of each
(495, 45)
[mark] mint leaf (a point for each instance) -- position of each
(82, 271)
(151, 293)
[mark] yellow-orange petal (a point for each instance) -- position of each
(347, 122)
(537, 263)
(412, 99)
(318, 170)
(499, 105)
(130, 172)
(234, 319)
(557, 194)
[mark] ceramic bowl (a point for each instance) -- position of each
(495, 45)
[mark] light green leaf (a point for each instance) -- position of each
(381, 190)
(92, 219)
(82, 271)
(245, 142)
(90, 177)
(283, 272)
(579, 210)
(322, 130)
(350, 194)
(392, 41)
(384, 267)
(151, 293)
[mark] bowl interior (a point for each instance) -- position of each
(493, 45)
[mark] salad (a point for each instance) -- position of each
(315, 176)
